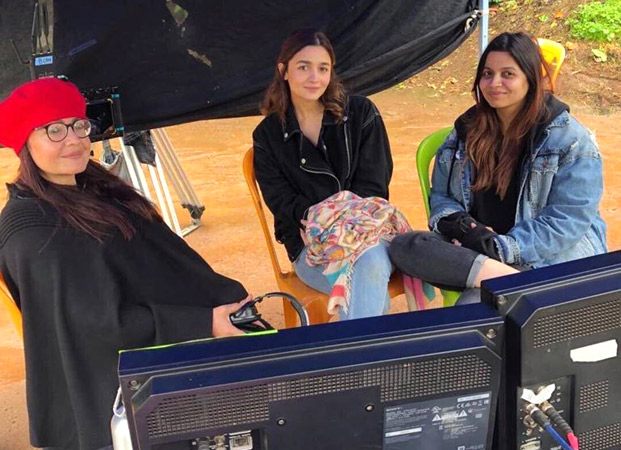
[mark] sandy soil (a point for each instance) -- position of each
(230, 238)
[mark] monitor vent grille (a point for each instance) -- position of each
(209, 410)
(407, 380)
(251, 404)
(324, 384)
(435, 376)
(593, 396)
(577, 323)
(608, 437)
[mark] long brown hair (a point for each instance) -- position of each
(494, 154)
(278, 97)
(88, 207)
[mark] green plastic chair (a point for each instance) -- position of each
(425, 153)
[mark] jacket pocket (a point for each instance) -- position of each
(541, 176)
(454, 172)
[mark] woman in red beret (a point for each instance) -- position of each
(92, 267)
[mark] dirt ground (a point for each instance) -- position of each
(230, 239)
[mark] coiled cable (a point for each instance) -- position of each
(297, 306)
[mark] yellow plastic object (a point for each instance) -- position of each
(9, 304)
(554, 54)
(424, 155)
(314, 301)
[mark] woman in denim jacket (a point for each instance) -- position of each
(316, 141)
(516, 185)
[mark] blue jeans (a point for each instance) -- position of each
(369, 281)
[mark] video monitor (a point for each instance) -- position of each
(426, 380)
(103, 109)
(563, 330)
(504, 292)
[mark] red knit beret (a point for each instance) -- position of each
(34, 104)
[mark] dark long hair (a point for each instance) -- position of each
(88, 207)
(278, 97)
(494, 154)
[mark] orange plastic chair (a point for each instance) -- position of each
(314, 301)
(554, 54)
(9, 304)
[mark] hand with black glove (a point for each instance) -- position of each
(481, 240)
(456, 225)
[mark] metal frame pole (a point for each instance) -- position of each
(484, 30)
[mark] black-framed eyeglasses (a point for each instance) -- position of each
(57, 131)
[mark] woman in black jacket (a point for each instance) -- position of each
(93, 269)
(316, 141)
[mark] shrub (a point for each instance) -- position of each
(597, 21)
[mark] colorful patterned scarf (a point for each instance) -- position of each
(340, 229)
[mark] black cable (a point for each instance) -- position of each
(560, 423)
(555, 417)
(538, 416)
(302, 314)
(247, 318)
(541, 419)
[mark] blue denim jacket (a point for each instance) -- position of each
(557, 216)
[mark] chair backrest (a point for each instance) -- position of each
(9, 304)
(554, 54)
(258, 206)
(425, 153)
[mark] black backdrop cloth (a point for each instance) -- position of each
(175, 62)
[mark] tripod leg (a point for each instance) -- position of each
(175, 167)
(163, 153)
(136, 175)
(167, 198)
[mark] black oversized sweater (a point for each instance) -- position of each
(83, 300)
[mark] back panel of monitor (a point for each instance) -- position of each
(440, 403)
(572, 346)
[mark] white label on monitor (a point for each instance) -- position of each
(474, 397)
(595, 352)
(447, 423)
(542, 396)
(402, 432)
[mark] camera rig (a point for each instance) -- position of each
(104, 111)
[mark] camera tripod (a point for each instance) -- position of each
(166, 166)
